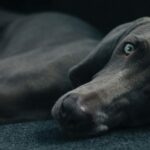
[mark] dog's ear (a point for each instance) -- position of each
(95, 61)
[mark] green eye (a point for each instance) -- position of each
(129, 48)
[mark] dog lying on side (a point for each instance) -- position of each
(43, 55)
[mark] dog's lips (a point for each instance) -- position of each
(81, 130)
(96, 130)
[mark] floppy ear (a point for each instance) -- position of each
(95, 61)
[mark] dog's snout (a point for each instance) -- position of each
(72, 114)
(69, 106)
(70, 109)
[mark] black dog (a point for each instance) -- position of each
(39, 53)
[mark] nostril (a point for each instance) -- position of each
(68, 105)
(70, 102)
(70, 111)
(64, 112)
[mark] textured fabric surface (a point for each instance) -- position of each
(45, 135)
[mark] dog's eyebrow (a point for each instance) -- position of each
(136, 24)
(134, 38)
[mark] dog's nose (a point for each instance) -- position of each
(72, 114)
(70, 110)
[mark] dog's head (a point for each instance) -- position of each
(113, 87)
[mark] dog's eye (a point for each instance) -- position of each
(128, 48)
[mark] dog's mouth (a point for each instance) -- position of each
(83, 129)
(74, 126)
(77, 123)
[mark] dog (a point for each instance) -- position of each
(112, 84)
(105, 82)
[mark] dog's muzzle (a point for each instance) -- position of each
(71, 115)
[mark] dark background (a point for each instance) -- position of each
(104, 14)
